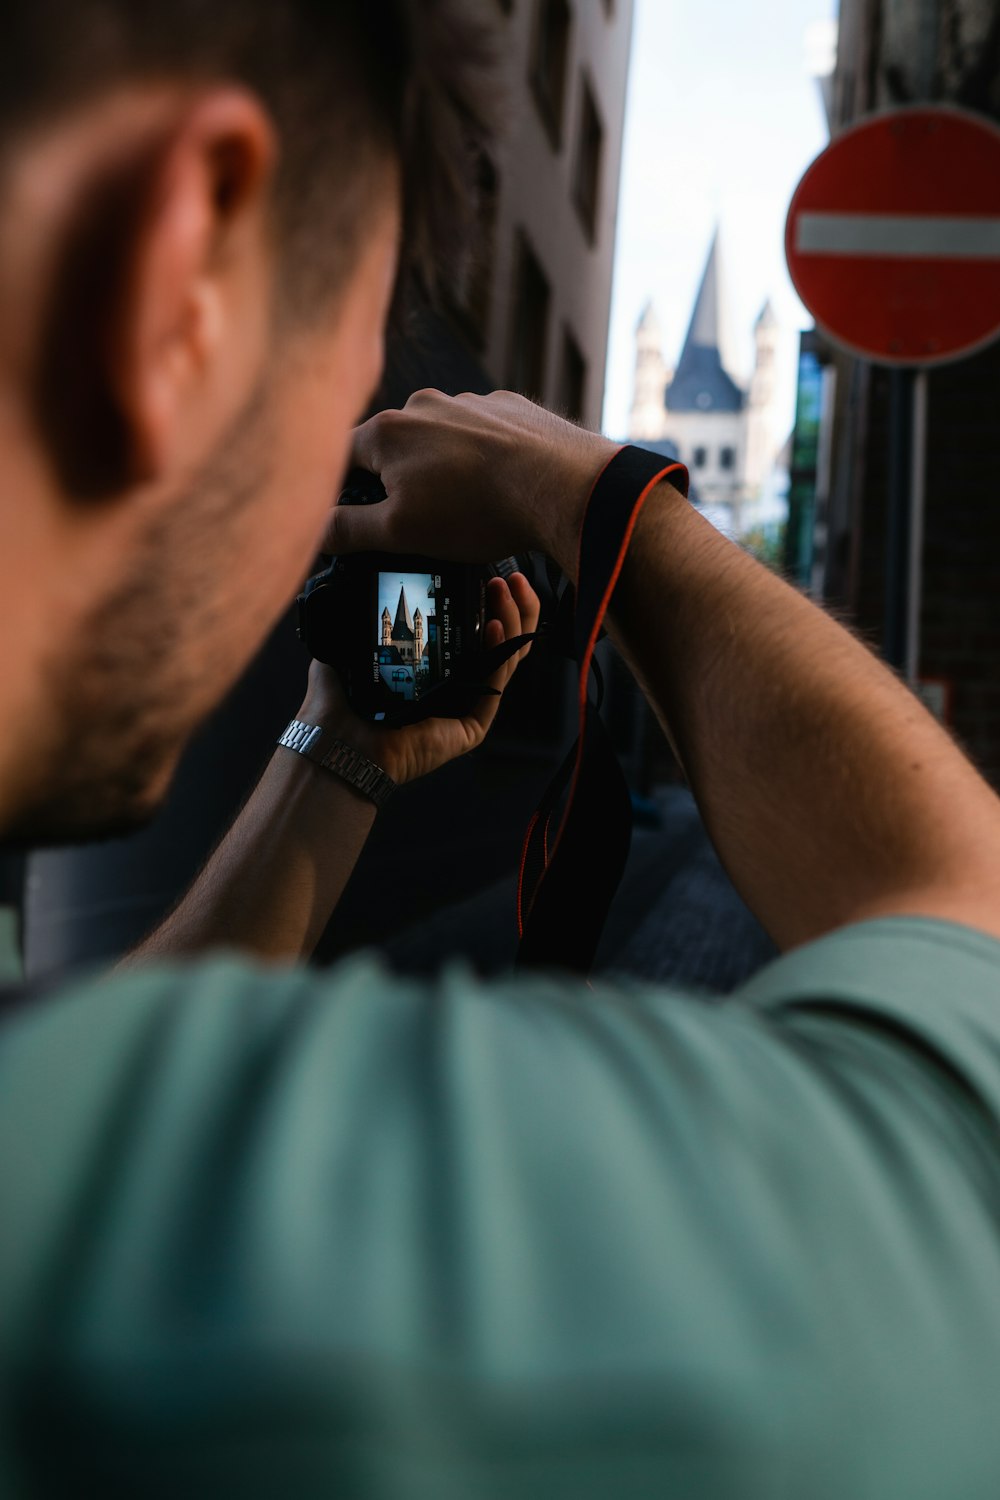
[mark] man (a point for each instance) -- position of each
(266, 1232)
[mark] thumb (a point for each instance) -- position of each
(358, 528)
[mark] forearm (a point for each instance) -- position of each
(829, 792)
(272, 883)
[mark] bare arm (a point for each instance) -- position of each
(830, 793)
(272, 883)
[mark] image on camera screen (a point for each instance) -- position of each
(411, 616)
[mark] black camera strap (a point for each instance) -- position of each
(569, 874)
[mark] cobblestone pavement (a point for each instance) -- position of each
(676, 917)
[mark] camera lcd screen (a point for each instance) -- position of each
(412, 629)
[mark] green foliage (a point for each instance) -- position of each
(766, 544)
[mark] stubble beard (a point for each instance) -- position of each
(121, 692)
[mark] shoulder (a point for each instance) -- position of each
(318, 1204)
(932, 986)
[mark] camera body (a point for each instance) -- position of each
(397, 630)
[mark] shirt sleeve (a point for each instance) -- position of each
(279, 1233)
(934, 985)
(10, 957)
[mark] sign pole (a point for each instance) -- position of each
(905, 524)
(898, 550)
(918, 497)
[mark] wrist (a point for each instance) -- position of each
(344, 760)
(565, 520)
(335, 719)
(339, 722)
(326, 706)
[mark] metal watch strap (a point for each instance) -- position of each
(342, 759)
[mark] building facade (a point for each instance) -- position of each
(535, 304)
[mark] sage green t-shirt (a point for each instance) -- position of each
(276, 1233)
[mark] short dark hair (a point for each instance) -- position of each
(344, 80)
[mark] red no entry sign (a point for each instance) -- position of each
(893, 236)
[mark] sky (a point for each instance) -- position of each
(722, 118)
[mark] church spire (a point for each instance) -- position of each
(703, 380)
(705, 325)
(403, 625)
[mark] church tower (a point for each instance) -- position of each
(762, 443)
(418, 636)
(721, 425)
(707, 377)
(402, 629)
(705, 401)
(386, 628)
(651, 376)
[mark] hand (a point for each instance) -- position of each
(417, 749)
(473, 479)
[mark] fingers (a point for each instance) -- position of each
(364, 528)
(503, 612)
(513, 610)
(503, 622)
(358, 528)
(507, 618)
(529, 608)
(364, 451)
(516, 606)
(494, 634)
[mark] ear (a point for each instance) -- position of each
(187, 340)
(157, 316)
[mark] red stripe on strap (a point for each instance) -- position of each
(520, 874)
(641, 499)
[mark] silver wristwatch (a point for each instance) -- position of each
(349, 764)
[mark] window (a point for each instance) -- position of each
(590, 148)
(472, 298)
(532, 295)
(727, 458)
(572, 378)
(700, 458)
(548, 68)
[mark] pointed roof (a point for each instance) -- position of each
(767, 317)
(402, 627)
(701, 381)
(648, 321)
(704, 326)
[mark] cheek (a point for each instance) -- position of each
(316, 453)
(319, 410)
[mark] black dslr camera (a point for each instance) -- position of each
(403, 633)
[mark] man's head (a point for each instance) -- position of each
(202, 208)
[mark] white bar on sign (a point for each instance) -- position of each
(898, 234)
